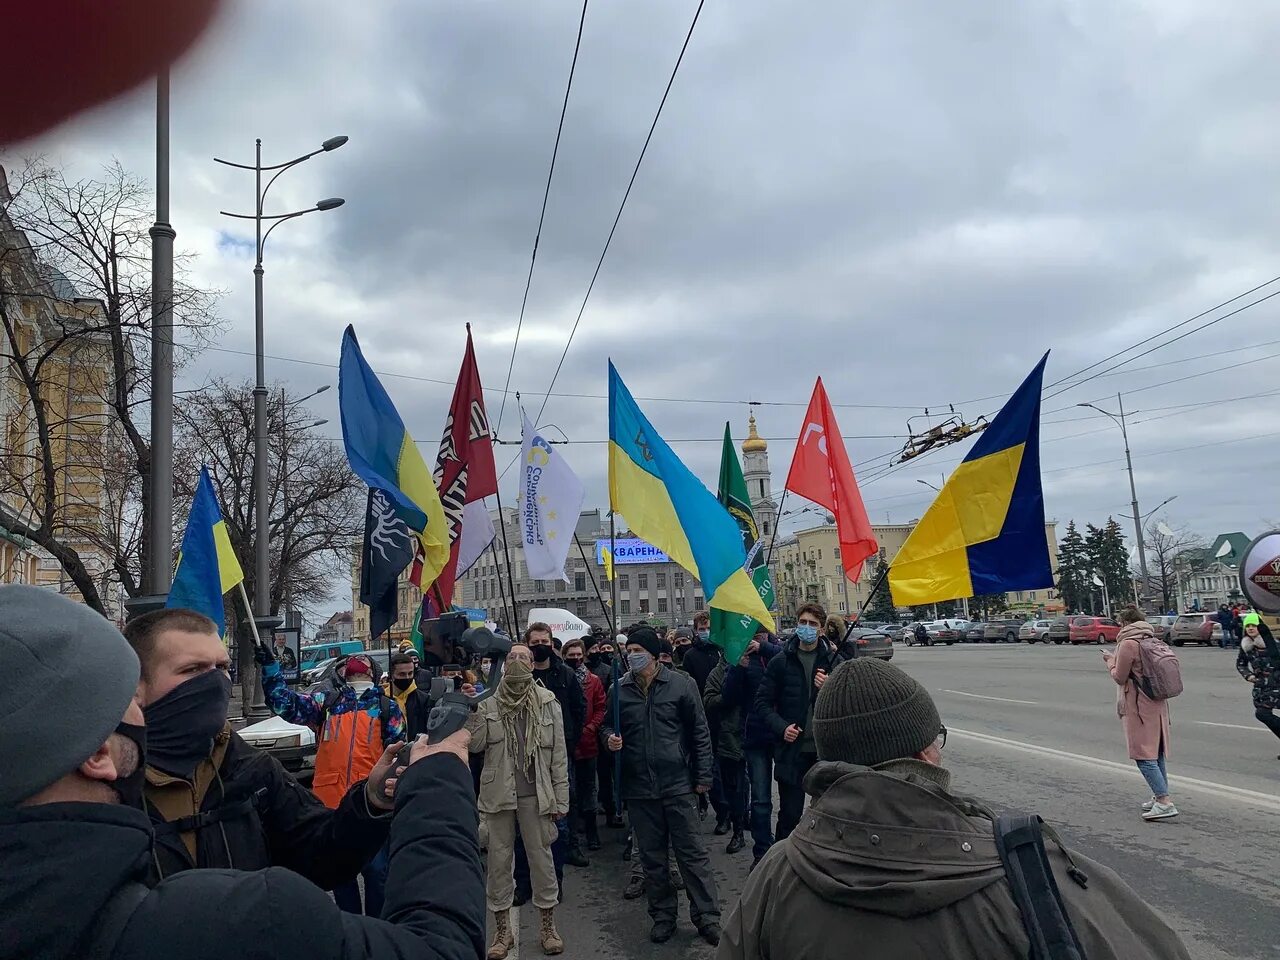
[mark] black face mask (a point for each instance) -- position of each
(575, 663)
(402, 683)
(181, 725)
(129, 789)
(541, 653)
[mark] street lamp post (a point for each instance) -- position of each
(262, 555)
(1133, 489)
(284, 485)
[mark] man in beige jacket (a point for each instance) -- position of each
(525, 781)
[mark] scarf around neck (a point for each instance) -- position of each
(518, 706)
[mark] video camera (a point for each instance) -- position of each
(451, 707)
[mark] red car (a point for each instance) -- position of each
(1093, 630)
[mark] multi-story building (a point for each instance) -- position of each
(67, 335)
(338, 628)
(810, 570)
(1211, 576)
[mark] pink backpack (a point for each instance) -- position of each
(1161, 672)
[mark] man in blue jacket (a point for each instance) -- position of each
(740, 686)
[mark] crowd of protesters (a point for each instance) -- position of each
(200, 846)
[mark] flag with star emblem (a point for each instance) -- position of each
(551, 498)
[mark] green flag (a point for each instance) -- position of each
(729, 631)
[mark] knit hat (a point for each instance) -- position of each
(70, 678)
(868, 712)
(647, 638)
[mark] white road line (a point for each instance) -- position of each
(1233, 726)
(978, 696)
(1253, 798)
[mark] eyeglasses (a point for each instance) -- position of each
(941, 741)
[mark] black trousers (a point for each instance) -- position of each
(791, 799)
(733, 778)
(1268, 719)
(674, 821)
(604, 779)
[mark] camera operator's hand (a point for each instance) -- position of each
(263, 655)
(469, 689)
(455, 743)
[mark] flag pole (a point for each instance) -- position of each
(502, 587)
(599, 596)
(768, 557)
(884, 575)
(253, 625)
(511, 580)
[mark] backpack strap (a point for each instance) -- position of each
(113, 918)
(1020, 842)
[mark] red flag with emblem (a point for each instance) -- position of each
(464, 471)
(821, 472)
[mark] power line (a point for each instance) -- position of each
(622, 206)
(546, 193)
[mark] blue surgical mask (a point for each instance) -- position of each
(807, 633)
(639, 662)
(704, 634)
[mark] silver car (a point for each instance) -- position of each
(1035, 631)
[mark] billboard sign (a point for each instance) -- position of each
(631, 550)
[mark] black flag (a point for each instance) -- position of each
(388, 549)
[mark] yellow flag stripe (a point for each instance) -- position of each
(417, 483)
(229, 570)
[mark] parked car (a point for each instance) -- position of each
(1196, 628)
(971, 632)
(1163, 626)
(941, 631)
(1093, 630)
(1034, 631)
(1059, 630)
(314, 653)
(909, 634)
(872, 643)
(891, 630)
(1002, 631)
(293, 745)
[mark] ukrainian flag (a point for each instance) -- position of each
(207, 566)
(666, 505)
(985, 532)
(383, 455)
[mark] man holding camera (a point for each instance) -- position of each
(75, 844)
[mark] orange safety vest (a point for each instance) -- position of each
(350, 744)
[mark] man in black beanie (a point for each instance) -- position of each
(666, 762)
(887, 858)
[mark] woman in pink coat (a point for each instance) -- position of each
(1146, 721)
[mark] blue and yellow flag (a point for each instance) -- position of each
(382, 454)
(666, 505)
(207, 566)
(985, 532)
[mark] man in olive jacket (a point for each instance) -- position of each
(890, 860)
(666, 762)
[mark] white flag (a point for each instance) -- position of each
(551, 498)
(477, 534)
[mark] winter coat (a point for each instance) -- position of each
(666, 744)
(1259, 663)
(498, 781)
(589, 742)
(560, 679)
(729, 717)
(1146, 721)
(784, 698)
(741, 684)
(253, 815)
(890, 861)
(77, 881)
(351, 729)
(700, 658)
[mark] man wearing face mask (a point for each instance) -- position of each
(76, 846)
(785, 702)
(605, 660)
(217, 802)
(701, 657)
(666, 761)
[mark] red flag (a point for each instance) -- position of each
(464, 470)
(821, 472)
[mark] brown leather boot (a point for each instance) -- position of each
(503, 941)
(551, 942)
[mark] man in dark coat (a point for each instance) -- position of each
(741, 684)
(785, 702)
(701, 657)
(214, 800)
(666, 761)
(890, 859)
(75, 844)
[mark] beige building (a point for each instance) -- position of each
(810, 570)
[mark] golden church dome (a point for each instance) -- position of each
(754, 442)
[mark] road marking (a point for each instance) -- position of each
(978, 696)
(1254, 798)
(1233, 726)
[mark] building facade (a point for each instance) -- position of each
(338, 628)
(1209, 577)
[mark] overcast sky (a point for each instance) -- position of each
(912, 200)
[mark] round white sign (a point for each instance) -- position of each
(1260, 572)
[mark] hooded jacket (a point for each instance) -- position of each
(77, 886)
(888, 860)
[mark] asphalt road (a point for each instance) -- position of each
(1034, 727)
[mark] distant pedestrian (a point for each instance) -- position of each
(1225, 619)
(1146, 721)
(1259, 663)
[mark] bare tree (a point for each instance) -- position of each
(1168, 548)
(75, 281)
